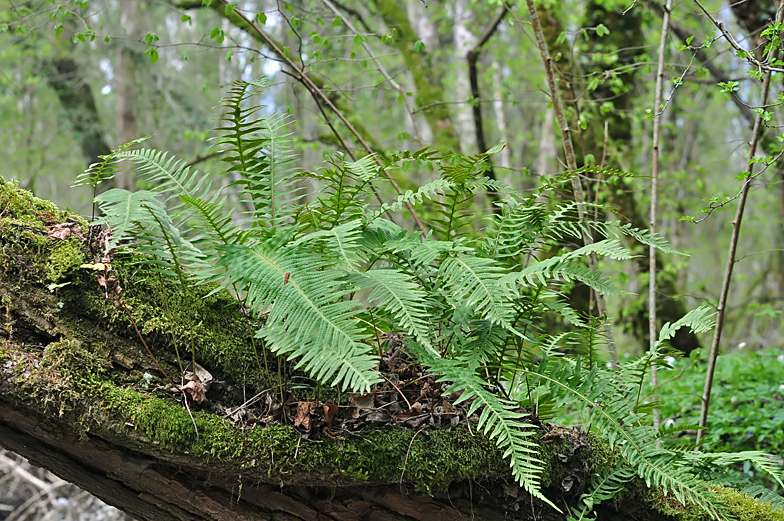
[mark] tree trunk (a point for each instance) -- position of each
(126, 93)
(81, 396)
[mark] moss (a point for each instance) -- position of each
(738, 506)
(66, 256)
(73, 379)
(176, 320)
(745, 508)
(20, 204)
(430, 460)
(23, 224)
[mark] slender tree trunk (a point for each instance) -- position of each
(465, 41)
(126, 93)
(571, 162)
(505, 159)
(652, 326)
(736, 227)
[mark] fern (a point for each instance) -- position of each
(476, 281)
(260, 154)
(469, 305)
(308, 319)
(498, 419)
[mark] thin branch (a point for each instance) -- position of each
(718, 74)
(203, 158)
(725, 285)
(395, 85)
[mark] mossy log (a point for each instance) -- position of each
(81, 396)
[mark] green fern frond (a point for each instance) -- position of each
(341, 243)
(422, 253)
(516, 230)
(365, 169)
(126, 211)
(167, 175)
(428, 191)
(401, 298)
(699, 320)
(763, 461)
(308, 320)
(764, 495)
(556, 302)
(260, 155)
(607, 400)
(455, 213)
(567, 268)
(498, 419)
(107, 167)
(347, 186)
(604, 486)
(474, 281)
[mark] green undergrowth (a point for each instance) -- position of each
(740, 506)
(79, 381)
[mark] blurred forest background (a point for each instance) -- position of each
(79, 78)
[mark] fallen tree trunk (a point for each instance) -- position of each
(81, 396)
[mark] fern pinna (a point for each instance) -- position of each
(333, 273)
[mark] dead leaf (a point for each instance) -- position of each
(362, 401)
(378, 418)
(330, 409)
(61, 231)
(448, 408)
(304, 411)
(195, 391)
(202, 376)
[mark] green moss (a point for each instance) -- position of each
(20, 204)
(66, 255)
(174, 319)
(745, 508)
(31, 252)
(73, 380)
(738, 506)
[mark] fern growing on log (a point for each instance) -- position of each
(468, 303)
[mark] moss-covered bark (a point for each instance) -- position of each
(80, 395)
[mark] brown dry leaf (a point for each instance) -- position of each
(60, 231)
(330, 409)
(362, 401)
(304, 410)
(195, 391)
(448, 409)
(202, 376)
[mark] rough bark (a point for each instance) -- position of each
(80, 396)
